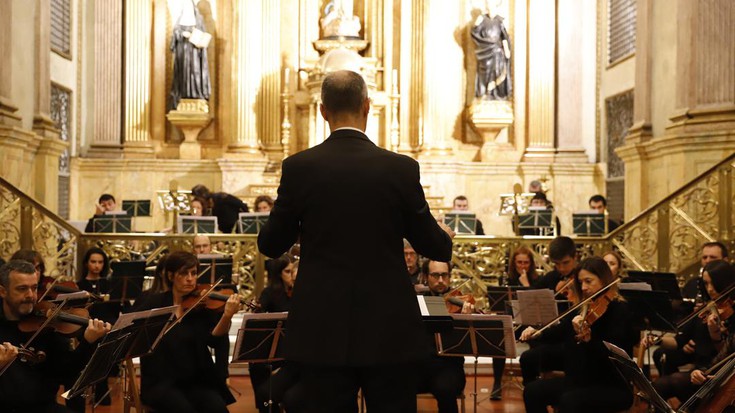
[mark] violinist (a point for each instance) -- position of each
(443, 377)
(590, 382)
(546, 354)
(37, 260)
(24, 386)
(276, 297)
(180, 376)
(702, 337)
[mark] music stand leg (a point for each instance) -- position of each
(474, 392)
(132, 388)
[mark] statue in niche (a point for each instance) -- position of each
(493, 81)
(338, 20)
(189, 45)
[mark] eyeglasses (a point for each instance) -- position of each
(439, 275)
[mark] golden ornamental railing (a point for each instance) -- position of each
(665, 237)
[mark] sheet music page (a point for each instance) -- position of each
(637, 286)
(422, 305)
(127, 319)
(537, 307)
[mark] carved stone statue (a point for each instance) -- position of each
(191, 70)
(493, 81)
(338, 20)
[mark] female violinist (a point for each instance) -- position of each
(27, 387)
(276, 297)
(702, 338)
(590, 383)
(522, 268)
(615, 261)
(180, 376)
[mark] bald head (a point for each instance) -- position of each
(201, 245)
(344, 99)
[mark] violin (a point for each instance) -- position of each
(214, 300)
(455, 301)
(722, 310)
(67, 322)
(593, 310)
(52, 287)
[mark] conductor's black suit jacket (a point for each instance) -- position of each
(351, 203)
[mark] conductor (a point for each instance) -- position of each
(354, 320)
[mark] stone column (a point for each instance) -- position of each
(108, 64)
(574, 79)
(249, 73)
(443, 76)
(411, 75)
(541, 80)
(270, 89)
(7, 108)
(42, 123)
(137, 123)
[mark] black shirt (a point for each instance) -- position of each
(226, 208)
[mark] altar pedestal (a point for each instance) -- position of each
(190, 116)
(491, 119)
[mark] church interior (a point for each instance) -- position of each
(497, 100)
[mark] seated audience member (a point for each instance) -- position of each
(461, 203)
(540, 200)
(263, 203)
(615, 261)
(201, 244)
(224, 206)
(198, 207)
(703, 339)
(546, 354)
(180, 375)
(25, 386)
(590, 383)
(443, 377)
(599, 203)
(275, 298)
(522, 268)
(105, 203)
(412, 263)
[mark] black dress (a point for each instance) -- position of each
(180, 376)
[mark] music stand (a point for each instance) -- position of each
(589, 224)
(631, 373)
(133, 335)
(537, 221)
(213, 267)
(660, 281)
(461, 222)
(476, 335)
(651, 310)
(251, 222)
(196, 225)
(137, 208)
(499, 297)
(536, 307)
(127, 280)
(112, 223)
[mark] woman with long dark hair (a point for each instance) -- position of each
(590, 382)
(522, 267)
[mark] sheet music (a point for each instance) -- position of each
(536, 307)
(422, 305)
(127, 319)
(637, 286)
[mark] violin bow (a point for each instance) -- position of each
(196, 303)
(696, 314)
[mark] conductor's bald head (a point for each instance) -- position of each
(345, 100)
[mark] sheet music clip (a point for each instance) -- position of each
(133, 335)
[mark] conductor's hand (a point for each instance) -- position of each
(8, 353)
(96, 329)
(232, 306)
(528, 334)
(697, 377)
(446, 229)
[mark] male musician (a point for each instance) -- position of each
(105, 203)
(547, 355)
(27, 387)
(201, 245)
(599, 203)
(443, 377)
(461, 203)
(375, 340)
(412, 262)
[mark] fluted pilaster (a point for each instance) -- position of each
(137, 123)
(42, 123)
(108, 64)
(412, 75)
(541, 78)
(270, 108)
(7, 108)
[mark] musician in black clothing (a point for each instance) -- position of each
(224, 206)
(546, 353)
(27, 387)
(105, 203)
(461, 203)
(180, 376)
(276, 297)
(590, 383)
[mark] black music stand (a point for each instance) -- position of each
(631, 373)
(589, 224)
(251, 222)
(137, 208)
(536, 222)
(660, 281)
(127, 280)
(214, 267)
(134, 335)
(461, 222)
(258, 341)
(499, 298)
(196, 225)
(118, 224)
(476, 335)
(651, 310)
